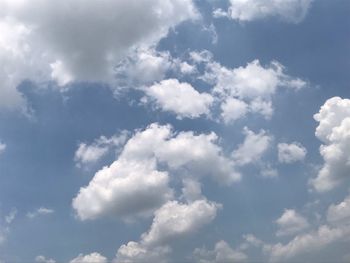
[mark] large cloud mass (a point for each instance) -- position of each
(135, 184)
(77, 40)
(334, 131)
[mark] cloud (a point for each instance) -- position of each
(134, 185)
(77, 40)
(248, 10)
(136, 252)
(2, 147)
(333, 131)
(335, 230)
(91, 153)
(40, 212)
(289, 153)
(11, 216)
(291, 223)
(339, 213)
(233, 109)
(91, 258)
(246, 89)
(144, 66)
(222, 253)
(43, 259)
(173, 221)
(180, 98)
(253, 147)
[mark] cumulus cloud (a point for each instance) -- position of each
(40, 212)
(91, 258)
(144, 66)
(246, 89)
(248, 10)
(339, 213)
(222, 253)
(134, 183)
(91, 153)
(45, 40)
(253, 147)
(335, 230)
(291, 223)
(180, 98)
(333, 131)
(173, 221)
(289, 153)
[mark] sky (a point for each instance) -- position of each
(174, 131)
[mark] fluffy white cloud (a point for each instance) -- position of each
(90, 153)
(248, 10)
(246, 89)
(180, 98)
(40, 212)
(337, 229)
(291, 223)
(91, 258)
(144, 66)
(173, 221)
(222, 253)
(339, 213)
(233, 109)
(289, 153)
(303, 243)
(253, 147)
(333, 131)
(133, 185)
(136, 252)
(77, 40)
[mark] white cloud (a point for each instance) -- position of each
(133, 185)
(248, 10)
(233, 109)
(91, 258)
(180, 98)
(191, 190)
(306, 243)
(90, 153)
(11, 216)
(253, 147)
(291, 223)
(222, 253)
(337, 229)
(136, 252)
(333, 131)
(43, 259)
(171, 222)
(289, 153)
(144, 66)
(43, 40)
(40, 212)
(175, 219)
(246, 89)
(2, 147)
(339, 213)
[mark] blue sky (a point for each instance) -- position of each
(174, 131)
